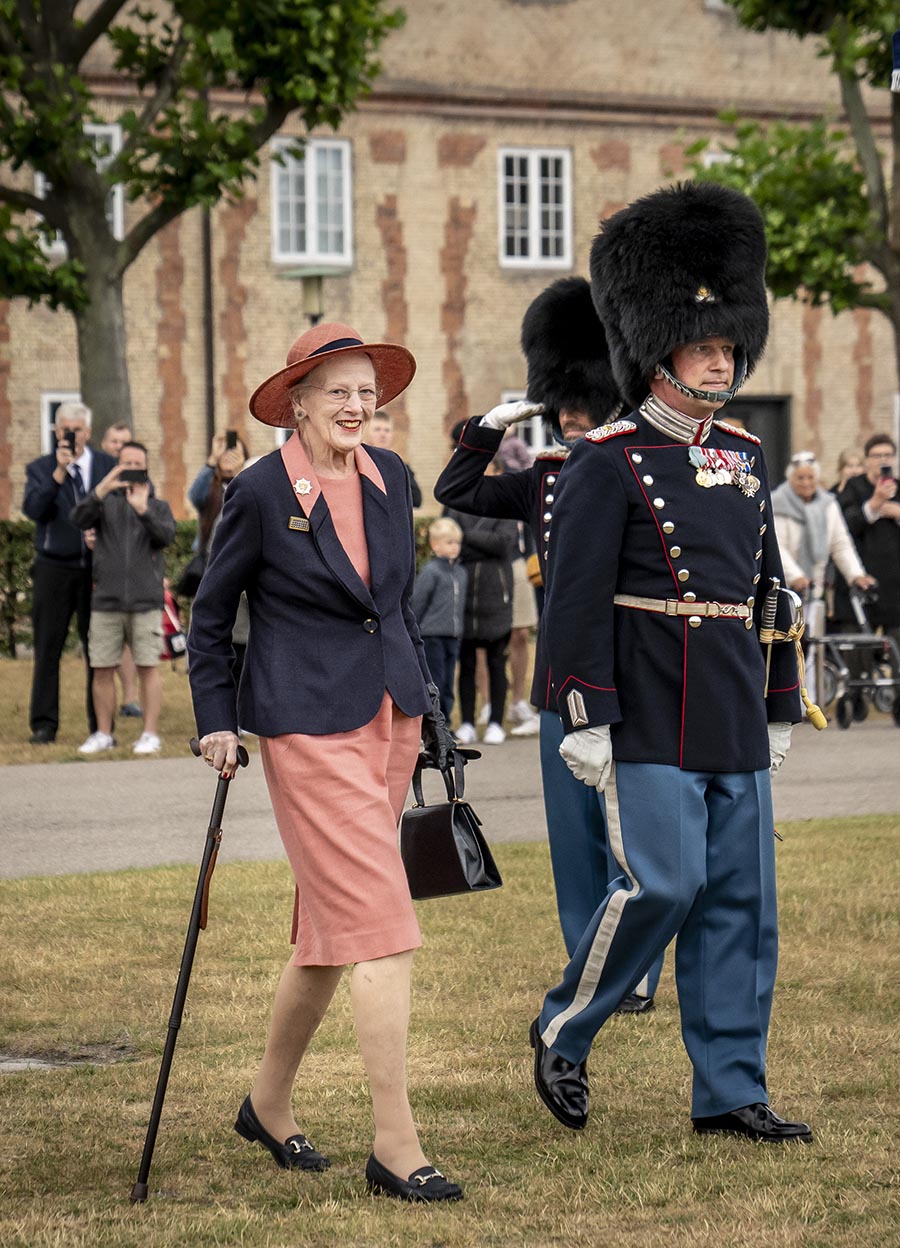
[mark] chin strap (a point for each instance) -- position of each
(709, 396)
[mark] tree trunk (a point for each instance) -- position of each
(102, 352)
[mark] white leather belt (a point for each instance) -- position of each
(672, 606)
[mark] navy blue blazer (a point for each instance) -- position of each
(524, 495)
(322, 648)
(631, 518)
(56, 538)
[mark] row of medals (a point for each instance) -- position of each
(710, 474)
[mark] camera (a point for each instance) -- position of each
(230, 439)
(886, 471)
(134, 476)
(68, 439)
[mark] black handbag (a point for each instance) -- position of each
(442, 846)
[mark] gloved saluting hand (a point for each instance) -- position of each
(506, 414)
(588, 755)
(779, 744)
(436, 737)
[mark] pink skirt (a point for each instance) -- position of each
(337, 801)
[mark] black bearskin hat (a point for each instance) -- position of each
(568, 359)
(679, 265)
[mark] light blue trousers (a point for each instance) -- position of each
(582, 860)
(695, 857)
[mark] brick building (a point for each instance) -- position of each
(427, 203)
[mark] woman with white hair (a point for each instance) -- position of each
(811, 529)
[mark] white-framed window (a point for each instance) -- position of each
(106, 141)
(50, 401)
(312, 199)
(533, 432)
(535, 207)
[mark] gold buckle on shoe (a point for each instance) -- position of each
(422, 1179)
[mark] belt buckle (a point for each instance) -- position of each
(713, 610)
(671, 606)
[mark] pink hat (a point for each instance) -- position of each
(394, 369)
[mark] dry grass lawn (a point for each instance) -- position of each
(91, 960)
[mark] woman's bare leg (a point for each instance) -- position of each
(301, 999)
(379, 992)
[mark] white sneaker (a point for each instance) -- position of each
(520, 712)
(96, 743)
(528, 727)
(493, 735)
(465, 734)
(484, 715)
(147, 743)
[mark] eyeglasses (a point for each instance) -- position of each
(880, 455)
(339, 395)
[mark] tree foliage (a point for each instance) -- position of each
(211, 81)
(828, 206)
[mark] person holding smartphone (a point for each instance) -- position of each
(227, 455)
(872, 512)
(61, 574)
(132, 529)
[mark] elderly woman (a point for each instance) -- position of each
(810, 529)
(335, 684)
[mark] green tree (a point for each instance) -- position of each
(829, 206)
(213, 81)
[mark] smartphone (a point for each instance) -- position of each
(886, 471)
(134, 476)
(230, 439)
(68, 439)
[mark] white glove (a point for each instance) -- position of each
(588, 755)
(779, 744)
(506, 414)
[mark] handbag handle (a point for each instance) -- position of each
(454, 779)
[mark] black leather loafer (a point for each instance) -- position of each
(562, 1086)
(633, 1004)
(756, 1122)
(296, 1153)
(426, 1183)
(42, 736)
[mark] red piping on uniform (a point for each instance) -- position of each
(484, 450)
(549, 685)
(790, 689)
(578, 680)
(662, 537)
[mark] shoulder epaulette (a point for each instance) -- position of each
(602, 432)
(738, 433)
(556, 455)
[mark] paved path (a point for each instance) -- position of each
(59, 818)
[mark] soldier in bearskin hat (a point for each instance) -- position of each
(570, 383)
(663, 569)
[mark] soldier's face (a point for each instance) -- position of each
(705, 365)
(574, 423)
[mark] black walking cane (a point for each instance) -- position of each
(197, 921)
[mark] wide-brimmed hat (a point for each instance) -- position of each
(395, 368)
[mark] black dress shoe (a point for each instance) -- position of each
(633, 1004)
(425, 1184)
(757, 1122)
(561, 1085)
(296, 1153)
(42, 736)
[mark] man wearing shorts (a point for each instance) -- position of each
(132, 530)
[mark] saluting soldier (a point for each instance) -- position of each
(662, 553)
(570, 382)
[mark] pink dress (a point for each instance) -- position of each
(337, 801)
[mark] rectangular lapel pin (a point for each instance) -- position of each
(299, 524)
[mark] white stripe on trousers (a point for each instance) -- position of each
(609, 924)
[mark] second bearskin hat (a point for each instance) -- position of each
(568, 359)
(682, 264)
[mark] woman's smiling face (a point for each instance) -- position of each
(337, 400)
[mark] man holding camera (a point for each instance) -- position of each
(61, 574)
(872, 512)
(132, 530)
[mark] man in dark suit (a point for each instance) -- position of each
(61, 574)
